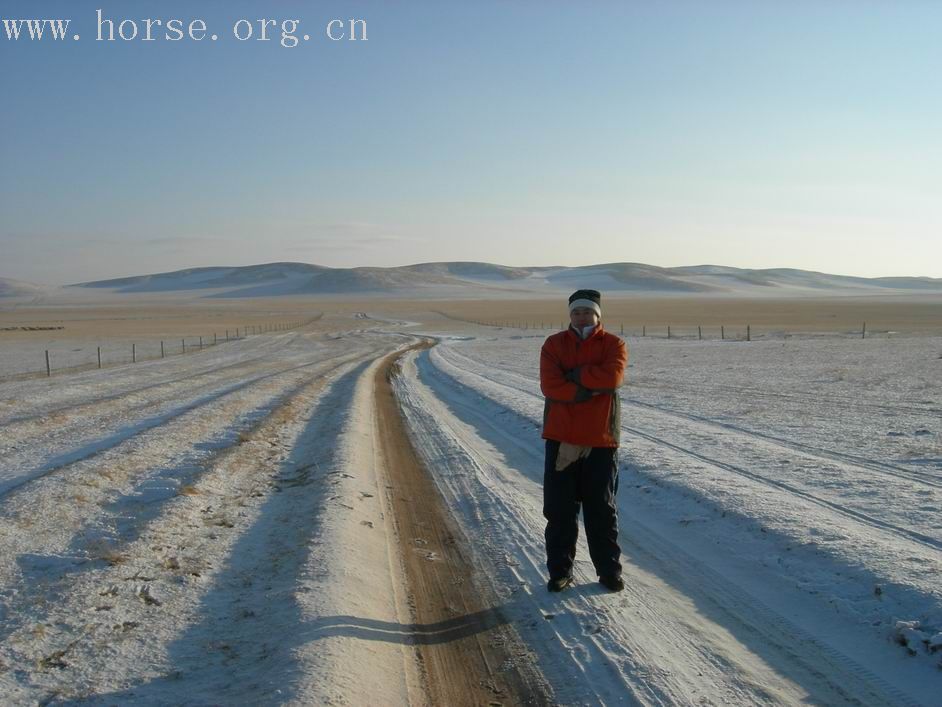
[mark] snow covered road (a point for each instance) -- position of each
(798, 558)
(229, 527)
(228, 534)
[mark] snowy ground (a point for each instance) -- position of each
(21, 358)
(780, 513)
(187, 530)
(211, 528)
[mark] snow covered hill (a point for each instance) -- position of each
(468, 279)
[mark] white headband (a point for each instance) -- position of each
(587, 303)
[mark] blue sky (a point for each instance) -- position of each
(753, 134)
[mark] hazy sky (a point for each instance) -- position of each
(752, 134)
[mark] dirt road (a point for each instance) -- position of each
(468, 652)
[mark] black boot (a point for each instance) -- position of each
(558, 584)
(612, 582)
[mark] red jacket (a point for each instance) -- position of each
(571, 370)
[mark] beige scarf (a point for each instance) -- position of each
(570, 453)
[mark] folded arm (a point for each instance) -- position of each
(555, 384)
(607, 375)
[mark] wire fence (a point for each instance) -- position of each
(741, 332)
(68, 359)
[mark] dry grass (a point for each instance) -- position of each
(189, 490)
(173, 320)
(106, 474)
(103, 550)
(286, 414)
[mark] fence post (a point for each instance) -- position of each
(227, 335)
(699, 334)
(237, 332)
(622, 328)
(99, 356)
(201, 343)
(183, 345)
(723, 332)
(863, 333)
(214, 338)
(668, 331)
(133, 353)
(161, 349)
(748, 332)
(48, 367)
(644, 330)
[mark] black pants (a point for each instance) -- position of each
(591, 482)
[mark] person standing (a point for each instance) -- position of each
(581, 370)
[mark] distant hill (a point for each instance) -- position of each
(18, 288)
(473, 271)
(469, 279)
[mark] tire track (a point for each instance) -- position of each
(95, 449)
(857, 516)
(892, 470)
(93, 417)
(87, 546)
(789, 638)
(470, 368)
(466, 662)
(864, 518)
(127, 374)
(76, 409)
(158, 623)
(798, 397)
(72, 510)
(885, 468)
(475, 481)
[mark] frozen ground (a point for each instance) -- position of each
(20, 358)
(211, 528)
(780, 508)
